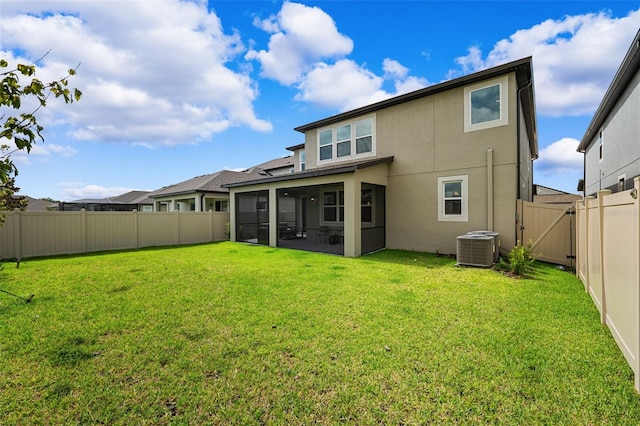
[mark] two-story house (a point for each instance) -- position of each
(411, 172)
(611, 144)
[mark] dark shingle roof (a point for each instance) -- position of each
(278, 163)
(210, 183)
(134, 197)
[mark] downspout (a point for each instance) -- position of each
(202, 206)
(518, 153)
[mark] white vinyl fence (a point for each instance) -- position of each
(608, 263)
(32, 234)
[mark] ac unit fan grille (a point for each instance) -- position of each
(475, 250)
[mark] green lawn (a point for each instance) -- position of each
(235, 334)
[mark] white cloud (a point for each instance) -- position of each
(39, 152)
(351, 85)
(155, 75)
(301, 35)
(78, 191)
(394, 69)
(574, 58)
(560, 157)
(307, 51)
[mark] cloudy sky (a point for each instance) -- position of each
(177, 89)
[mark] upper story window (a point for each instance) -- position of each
(347, 140)
(303, 160)
(600, 146)
(486, 104)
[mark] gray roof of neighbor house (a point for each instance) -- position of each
(524, 78)
(318, 171)
(211, 183)
(544, 194)
(628, 69)
(38, 205)
(134, 197)
(278, 163)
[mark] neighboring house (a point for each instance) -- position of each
(611, 144)
(544, 194)
(39, 205)
(279, 166)
(411, 172)
(140, 199)
(130, 201)
(202, 193)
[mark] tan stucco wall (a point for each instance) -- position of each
(438, 147)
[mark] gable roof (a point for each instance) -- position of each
(134, 197)
(524, 79)
(38, 205)
(627, 70)
(211, 183)
(278, 163)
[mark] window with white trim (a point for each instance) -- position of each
(366, 205)
(600, 146)
(486, 105)
(621, 182)
(347, 141)
(333, 206)
(453, 196)
(303, 160)
(221, 206)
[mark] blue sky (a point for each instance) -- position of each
(174, 90)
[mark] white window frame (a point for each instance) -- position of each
(221, 206)
(600, 146)
(303, 160)
(334, 142)
(372, 205)
(336, 206)
(464, 216)
(622, 179)
(503, 83)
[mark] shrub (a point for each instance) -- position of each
(519, 261)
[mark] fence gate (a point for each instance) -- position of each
(551, 229)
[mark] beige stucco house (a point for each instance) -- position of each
(411, 172)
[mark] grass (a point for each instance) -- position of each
(234, 334)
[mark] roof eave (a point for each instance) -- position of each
(515, 66)
(349, 168)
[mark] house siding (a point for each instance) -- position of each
(621, 144)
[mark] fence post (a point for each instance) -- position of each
(211, 226)
(17, 236)
(587, 246)
(603, 300)
(177, 216)
(83, 230)
(135, 228)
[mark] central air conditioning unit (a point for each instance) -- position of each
(475, 250)
(496, 241)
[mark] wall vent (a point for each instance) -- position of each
(475, 250)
